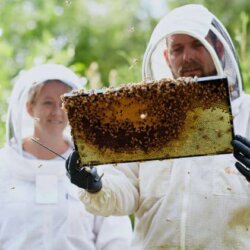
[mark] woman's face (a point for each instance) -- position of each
(47, 110)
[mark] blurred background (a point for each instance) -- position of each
(102, 40)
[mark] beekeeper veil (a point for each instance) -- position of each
(197, 22)
(19, 124)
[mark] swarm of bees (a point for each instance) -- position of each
(151, 120)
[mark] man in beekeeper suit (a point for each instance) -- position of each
(188, 203)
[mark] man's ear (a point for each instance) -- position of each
(219, 48)
(29, 108)
(165, 53)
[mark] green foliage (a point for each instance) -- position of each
(103, 40)
(242, 36)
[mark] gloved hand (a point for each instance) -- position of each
(241, 147)
(83, 177)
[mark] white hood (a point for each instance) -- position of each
(196, 21)
(18, 123)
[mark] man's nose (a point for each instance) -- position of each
(188, 54)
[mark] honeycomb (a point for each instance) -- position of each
(151, 120)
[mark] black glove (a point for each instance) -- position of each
(83, 177)
(241, 147)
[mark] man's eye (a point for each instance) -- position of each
(198, 45)
(176, 50)
(47, 103)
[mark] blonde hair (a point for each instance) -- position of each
(35, 92)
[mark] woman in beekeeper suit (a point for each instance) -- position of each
(39, 208)
(189, 203)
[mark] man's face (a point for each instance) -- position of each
(186, 56)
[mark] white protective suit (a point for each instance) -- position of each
(189, 203)
(39, 207)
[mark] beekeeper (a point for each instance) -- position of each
(39, 208)
(188, 203)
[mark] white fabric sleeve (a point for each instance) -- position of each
(113, 232)
(119, 194)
